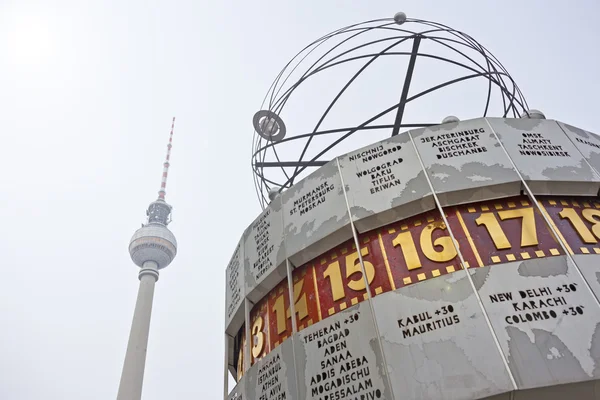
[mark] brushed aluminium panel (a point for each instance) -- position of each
(587, 390)
(503, 396)
(589, 265)
(465, 163)
(315, 215)
(273, 376)
(340, 356)
(546, 158)
(587, 143)
(264, 252)
(234, 291)
(547, 322)
(385, 183)
(437, 343)
(238, 392)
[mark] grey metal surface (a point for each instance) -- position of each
(546, 158)
(587, 143)
(437, 343)
(238, 392)
(589, 265)
(384, 183)
(547, 322)
(273, 376)
(315, 215)
(457, 361)
(588, 390)
(340, 356)
(465, 162)
(264, 252)
(234, 291)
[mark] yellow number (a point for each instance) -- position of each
(335, 278)
(279, 314)
(528, 231)
(240, 364)
(589, 214)
(445, 242)
(409, 250)
(258, 337)
(300, 305)
(334, 273)
(493, 227)
(584, 233)
(353, 267)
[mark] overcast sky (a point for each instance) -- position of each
(87, 93)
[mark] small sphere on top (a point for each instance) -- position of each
(450, 119)
(533, 114)
(400, 18)
(273, 193)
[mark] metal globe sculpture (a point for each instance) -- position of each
(404, 66)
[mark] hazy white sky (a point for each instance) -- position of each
(87, 92)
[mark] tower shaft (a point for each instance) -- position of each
(132, 377)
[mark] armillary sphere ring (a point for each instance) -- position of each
(269, 125)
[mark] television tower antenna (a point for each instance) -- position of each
(163, 183)
(152, 248)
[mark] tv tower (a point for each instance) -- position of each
(152, 248)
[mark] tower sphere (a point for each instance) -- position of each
(153, 242)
